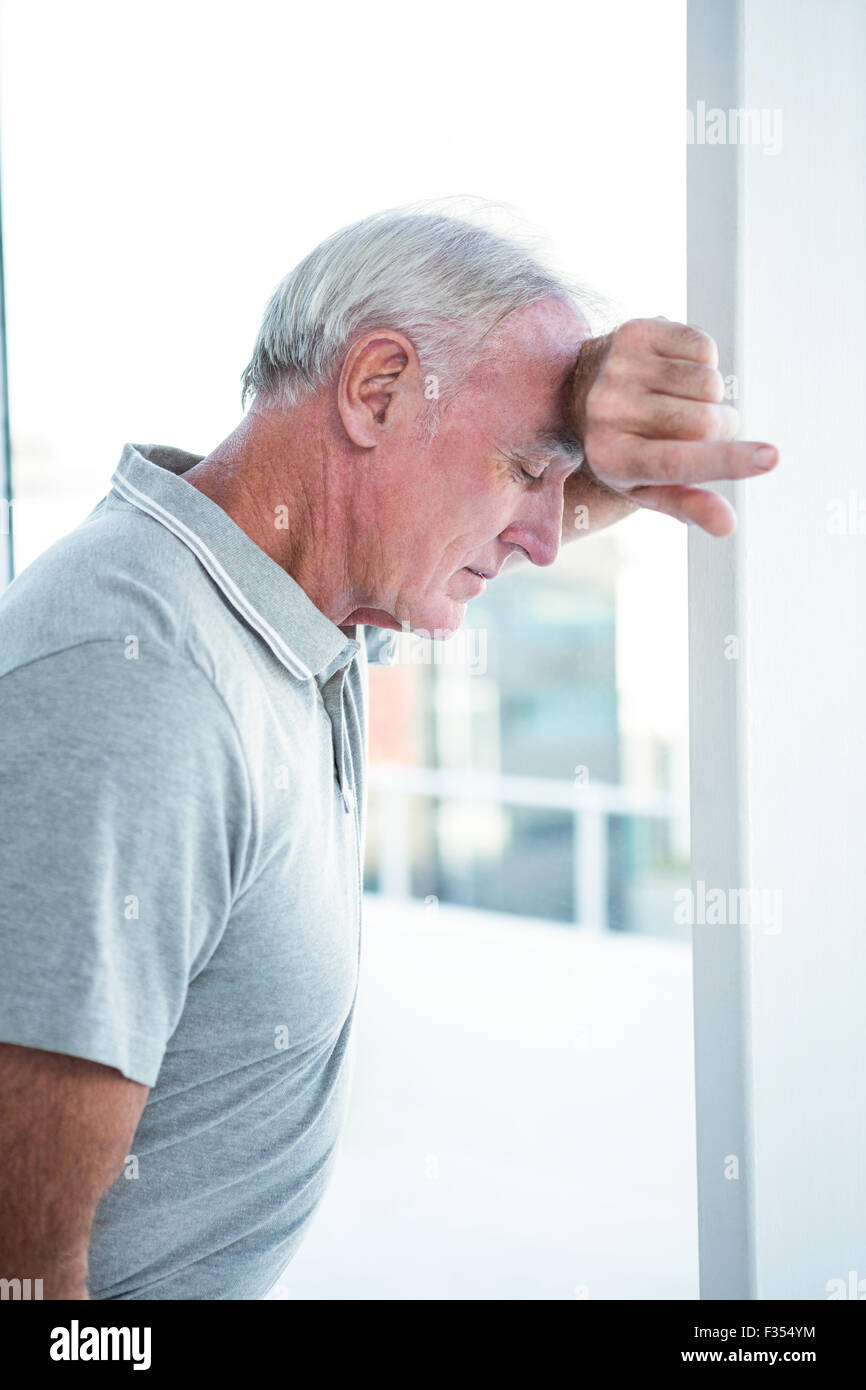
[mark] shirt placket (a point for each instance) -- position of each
(333, 697)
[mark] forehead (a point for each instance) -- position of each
(520, 385)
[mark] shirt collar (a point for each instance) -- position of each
(149, 476)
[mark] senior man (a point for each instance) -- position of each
(182, 688)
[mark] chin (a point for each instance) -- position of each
(445, 615)
(441, 615)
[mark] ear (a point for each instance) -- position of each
(378, 381)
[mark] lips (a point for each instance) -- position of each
(480, 583)
(482, 574)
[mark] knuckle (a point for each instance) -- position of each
(711, 385)
(689, 379)
(699, 345)
(632, 333)
(707, 421)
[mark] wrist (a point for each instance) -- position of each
(586, 370)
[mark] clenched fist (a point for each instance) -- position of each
(647, 404)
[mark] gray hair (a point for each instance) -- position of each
(443, 282)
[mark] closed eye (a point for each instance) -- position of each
(532, 468)
(531, 477)
(524, 473)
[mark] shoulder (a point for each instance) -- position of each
(119, 577)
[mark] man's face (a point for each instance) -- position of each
(490, 484)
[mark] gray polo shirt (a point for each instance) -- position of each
(181, 784)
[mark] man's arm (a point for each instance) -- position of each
(590, 506)
(67, 1128)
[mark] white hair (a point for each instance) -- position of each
(443, 282)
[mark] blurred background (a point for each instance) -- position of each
(522, 1116)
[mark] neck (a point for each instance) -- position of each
(286, 479)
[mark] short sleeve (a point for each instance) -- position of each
(124, 828)
(381, 644)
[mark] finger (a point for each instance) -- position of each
(672, 376)
(695, 506)
(671, 417)
(651, 415)
(676, 462)
(684, 340)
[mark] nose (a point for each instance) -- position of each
(538, 528)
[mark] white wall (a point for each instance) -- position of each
(779, 753)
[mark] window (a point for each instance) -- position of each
(522, 1114)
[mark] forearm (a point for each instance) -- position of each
(590, 506)
(68, 1124)
(56, 1266)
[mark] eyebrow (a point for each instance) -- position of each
(554, 442)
